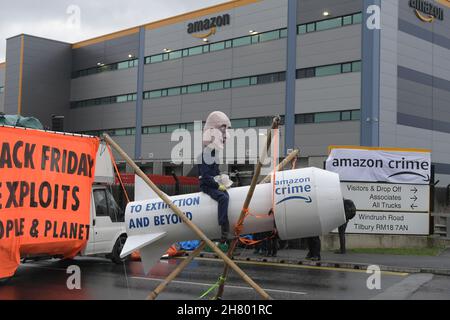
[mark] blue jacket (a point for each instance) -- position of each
(207, 172)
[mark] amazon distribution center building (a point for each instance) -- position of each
(348, 72)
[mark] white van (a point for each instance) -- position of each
(107, 233)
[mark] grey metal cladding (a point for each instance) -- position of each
(423, 78)
(2, 76)
(166, 110)
(107, 52)
(329, 46)
(46, 78)
(12, 75)
(312, 10)
(208, 67)
(442, 168)
(314, 139)
(104, 84)
(163, 75)
(259, 58)
(262, 100)
(424, 34)
(2, 84)
(197, 106)
(119, 115)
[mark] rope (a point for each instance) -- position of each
(240, 224)
(213, 287)
(117, 171)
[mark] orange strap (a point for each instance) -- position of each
(118, 174)
(240, 224)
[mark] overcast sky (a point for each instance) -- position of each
(76, 20)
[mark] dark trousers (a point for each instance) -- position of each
(272, 246)
(314, 245)
(222, 199)
(341, 230)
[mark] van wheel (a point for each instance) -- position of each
(118, 246)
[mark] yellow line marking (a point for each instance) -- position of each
(298, 266)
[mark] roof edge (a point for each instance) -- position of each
(167, 21)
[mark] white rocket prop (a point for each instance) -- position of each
(308, 202)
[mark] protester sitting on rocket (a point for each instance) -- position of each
(211, 182)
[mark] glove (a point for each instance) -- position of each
(222, 188)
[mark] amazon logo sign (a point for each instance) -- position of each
(203, 29)
(426, 11)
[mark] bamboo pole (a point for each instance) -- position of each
(188, 222)
(248, 199)
(154, 294)
(160, 288)
(281, 165)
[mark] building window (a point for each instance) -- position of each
(196, 88)
(347, 20)
(269, 36)
(217, 46)
(242, 41)
(356, 66)
(319, 71)
(175, 54)
(329, 24)
(346, 115)
(218, 85)
(357, 18)
(307, 118)
(195, 50)
(242, 82)
(304, 118)
(310, 27)
(328, 70)
(237, 42)
(173, 91)
(346, 67)
(327, 117)
(356, 115)
(2, 89)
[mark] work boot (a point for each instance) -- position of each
(225, 232)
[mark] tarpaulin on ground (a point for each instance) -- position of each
(45, 192)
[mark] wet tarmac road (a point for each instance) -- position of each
(101, 279)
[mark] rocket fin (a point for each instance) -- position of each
(151, 254)
(134, 243)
